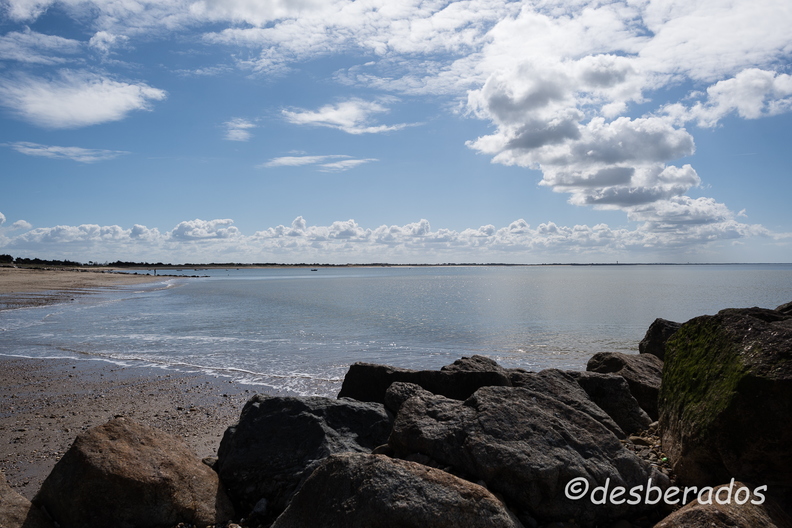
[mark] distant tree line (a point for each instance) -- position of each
(8, 259)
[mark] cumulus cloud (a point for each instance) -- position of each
(203, 229)
(21, 224)
(37, 48)
(344, 162)
(75, 99)
(677, 225)
(238, 129)
(2, 219)
(751, 94)
(353, 117)
(79, 154)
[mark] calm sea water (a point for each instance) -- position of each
(298, 330)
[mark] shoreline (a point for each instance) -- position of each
(46, 403)
(30, 287)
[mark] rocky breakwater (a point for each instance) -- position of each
(472, 444)
(726, 400)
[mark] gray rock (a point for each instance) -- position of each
(123, 474)
(656, 336)
(726, 398)
(643, 373)
(399, 392)
(612, 394)
(730, 514)
(280, 440)
(17, 512)
(354, 490)
(527, 446)
(475, 363)
(369, 382)
(563, 386)
(785, 309)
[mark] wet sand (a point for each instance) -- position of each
(46, 403)
(21, 287)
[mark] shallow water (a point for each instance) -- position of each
(298, 330)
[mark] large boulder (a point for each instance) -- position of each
(612, 394)
(731, 505)
(369, 382)
(399, 392)
(726, 398)
(123, 474)
(352, 490)
(643, 373)
(17, 512)
(656, 336)
(526, 445)
(563, 386)
(279, 441)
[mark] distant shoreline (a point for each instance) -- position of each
(29, 287)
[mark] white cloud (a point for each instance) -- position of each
(345, 162)
(2, 219)
(21, 224)
(82, 155)
(682, 226)
(238, 129)
(297, 161)
(37, 48)
(344, 165)
(75, 99)
(202, 229)
(352, 116)
(26, 10)
(104, 42)
(751, 94)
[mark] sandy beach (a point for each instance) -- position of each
(21, 287)
(46, 403)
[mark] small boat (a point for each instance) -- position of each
(314, 269)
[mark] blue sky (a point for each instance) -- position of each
(411, 131)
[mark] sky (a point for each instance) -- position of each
(409, 131)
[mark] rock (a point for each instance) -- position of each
(563, 387)
(656, 336)
(731, 514)
(369, 382)
(17, 512)
(726, 399)
(123, 474)
(352, 490)
(785, 309)
(399, 392)
(475, 363)
(280, 440)
(527, 446)
(643, 373)
(612, 394)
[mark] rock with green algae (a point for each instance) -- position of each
(726, 399)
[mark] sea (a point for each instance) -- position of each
(296, 330)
